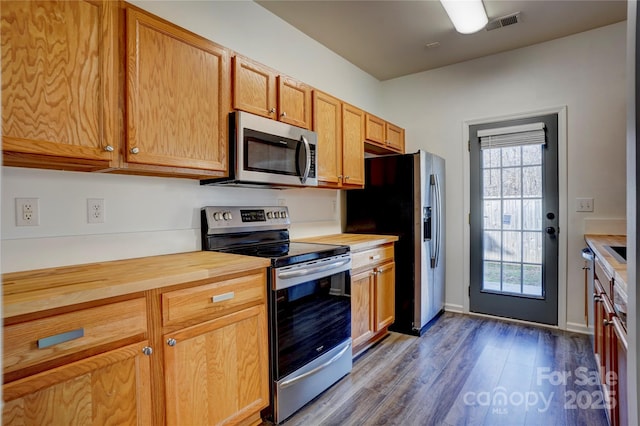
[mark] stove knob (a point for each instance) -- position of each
(283, 214)
(217, 216)
(276, 215)
(227, 216)
(269, 215)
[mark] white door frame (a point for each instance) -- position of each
(562, 199)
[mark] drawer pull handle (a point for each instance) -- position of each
(375, 257)
(223, 297)
(60, 338)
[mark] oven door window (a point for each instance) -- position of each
(271, 154)
(311, 319)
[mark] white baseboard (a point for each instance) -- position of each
(449, 307)
(578, 328)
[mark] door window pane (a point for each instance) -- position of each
(511, 182)
(512, 277)
(492, 214)
(492, 246)
(532, 280)
(532, 181)
(532, 214)
(531, 155)
(511, 246)
(491, 183)
(492, 276)
(511, 214)
(511, 156)
(532, 247)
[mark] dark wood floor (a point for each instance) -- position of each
(466, 371)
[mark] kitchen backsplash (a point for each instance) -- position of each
(144, 216)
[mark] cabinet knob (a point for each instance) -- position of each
(272, 110)
(340, 177)
(606, 322)
(284, 114)
(135, 150)
(147, 350)
(346, 177)
(108, 148)
(171, 341)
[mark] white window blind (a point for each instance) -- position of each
(504, 137)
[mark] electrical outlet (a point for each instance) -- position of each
(27, 212)
(584, 204)
(95, 210)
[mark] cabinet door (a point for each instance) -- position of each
(107, 389)
(327, 123)
(177, 97)
(217, 373)
(385, 295)
(254, 88)
(352, 146)
(395, 137)
(374, 129)
(294, 102)
(59, 87)
(610, 361)
(362, 307)
(620, 349)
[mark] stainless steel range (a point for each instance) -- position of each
(309, 300)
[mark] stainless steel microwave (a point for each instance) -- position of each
(265, 152)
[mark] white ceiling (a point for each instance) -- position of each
(388, 39)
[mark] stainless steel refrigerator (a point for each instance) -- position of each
(404, 196)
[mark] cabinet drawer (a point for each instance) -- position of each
(41, 340)
(212, 300)
(371, 257)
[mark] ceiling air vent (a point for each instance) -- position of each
(503, 21)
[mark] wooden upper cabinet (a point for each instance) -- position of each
(383, 137)
(352, 146)
(294, 102)
(177, 94)
(374, 129)
(327, 123)
(260, 90)
(395, 137)
(59, 84)
(254, 87)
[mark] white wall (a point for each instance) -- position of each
(153, 215)
(585, 73)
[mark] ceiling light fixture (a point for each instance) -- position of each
(468, 16)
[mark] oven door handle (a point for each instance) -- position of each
(337, 356)
(308, 271)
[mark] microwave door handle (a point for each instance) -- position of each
(307, 166)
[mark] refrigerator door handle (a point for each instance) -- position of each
(439, 220)
(437, 203)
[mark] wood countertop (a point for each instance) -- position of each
(614, 268)
(32, 291)
(356, 242)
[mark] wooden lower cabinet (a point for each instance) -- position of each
(385, 295)
(111, 388)
(362, 308)
(610, 350)
(194, 353)
(372, 296)
(217, 372)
